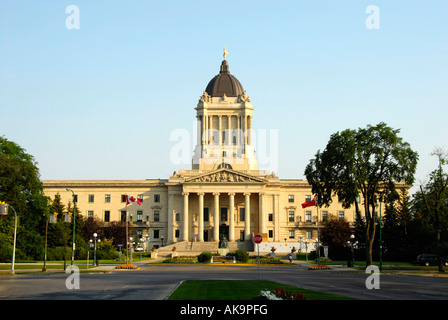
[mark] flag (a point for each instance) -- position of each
(311, 203)
(131, 199)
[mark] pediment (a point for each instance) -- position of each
(225, 175)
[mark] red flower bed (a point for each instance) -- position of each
(286, 295)
(126, 266)
(319, 267)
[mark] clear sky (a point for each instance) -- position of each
(101, 101)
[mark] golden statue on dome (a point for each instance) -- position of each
(225, 53)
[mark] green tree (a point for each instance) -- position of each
(20, 186)
(334, 234)
(433, 200)
(368, 162)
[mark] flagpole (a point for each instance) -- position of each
(318, 243)
(126, 221)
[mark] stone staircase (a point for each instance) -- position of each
(188, 248)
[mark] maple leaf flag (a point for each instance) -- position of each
(311, 203)
(131, 200)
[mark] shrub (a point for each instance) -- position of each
(205, 256)
(242, 255)
(180, 260)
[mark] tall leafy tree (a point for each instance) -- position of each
(20, 186)
(362, 164)
(434, 200)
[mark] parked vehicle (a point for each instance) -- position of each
(430, 260)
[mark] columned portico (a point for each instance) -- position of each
(235, 210)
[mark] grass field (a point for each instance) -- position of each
(239, 290)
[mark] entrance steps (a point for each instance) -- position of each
(189, 248)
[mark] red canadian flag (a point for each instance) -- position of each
(311, 203)
(131, 199)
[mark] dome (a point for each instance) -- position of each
(224, 83)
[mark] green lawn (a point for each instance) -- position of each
(239, 290)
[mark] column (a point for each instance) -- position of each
(238, 135)
(246, 131)
(201, 217)
(199, 131)
(231, 217)
(185, 217)
(249, 130)
(170, 231)
(216, 217)
(220, 130)
(247, 217)
(276, 217)
(210, 129)
(229, 130)
(262, 216)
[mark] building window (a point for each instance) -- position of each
(291, 216)
(242, 214)
(91, 198)
(206, 215)
(309, 234)
(107, 198)
(291, 198)
(123, 198)
(123, 216)
(156, 215)
(177, 234)
(90, 214)
(292, 234)
(157, 198)
(308, 197)
(177, 216)
(271, 217)
(223, 214)
(271, 233)
(139, 216)
(324, 215)
(140, 196)
(341, 214)
(106, 216)
(156, 234)
(75, 198)
(308, 216)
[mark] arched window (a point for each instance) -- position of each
(225, 165)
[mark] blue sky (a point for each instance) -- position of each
(101, 101)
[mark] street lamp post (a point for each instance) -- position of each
(95, 240)
(352, 243)
(306, 249)
(89, 245)
(317, 252)
(74, 224)
(147, 242)
(130, 247)
(6, 206)
(4, 211)
(141, 248)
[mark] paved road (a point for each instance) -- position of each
(156, 282)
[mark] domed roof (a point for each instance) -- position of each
(224, 83)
